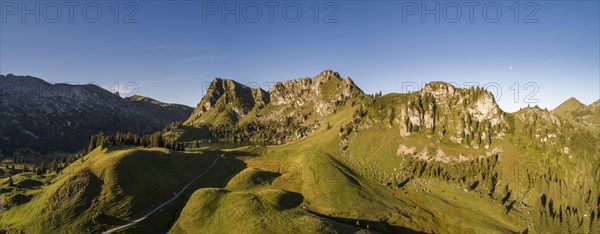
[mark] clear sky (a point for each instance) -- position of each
(172, 50)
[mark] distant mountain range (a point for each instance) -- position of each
(39, 115)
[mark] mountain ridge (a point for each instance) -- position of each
(398, 162)
(242, 99)
(304, 103)
(575, 111)
(568, 105)
(44, 116)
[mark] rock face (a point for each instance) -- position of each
(322, 92)
(283, 111)
(292, 109)
(39, 115)
(468, 116)
(541, 126)
(230, 98)
(232, 101)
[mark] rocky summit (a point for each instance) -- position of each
(230, 100)
(288, 111)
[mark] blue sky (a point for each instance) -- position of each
(172, 50)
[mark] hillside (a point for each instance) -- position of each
(322, 156)
(43, 116)
(579, 113)
(440, 136)
(570, 105)
(105, 188)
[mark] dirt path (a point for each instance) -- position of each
(131, 223)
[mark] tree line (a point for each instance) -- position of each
(133, 139)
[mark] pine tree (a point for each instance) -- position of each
(477, 139)
(468, 120)
(42, 168)
(104, 144)
(10, 181)
(156, 140)
(53, 166)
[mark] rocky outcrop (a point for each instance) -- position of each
(321, 93)
(225, 95)
(468, 116)
(282, 114)
(541, 126)
(318, 95)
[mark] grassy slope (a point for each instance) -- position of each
(437, 198)
(268, 210)
(568, 106)
(26, 185)
(334, 188)
(105, 189)
(580, 114)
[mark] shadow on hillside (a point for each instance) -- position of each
(226, 169)
(29, 183)
(229, 153)
(378, 226)
(218, 176)
(194, 133)
(290, 200)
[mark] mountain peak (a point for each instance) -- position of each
(569, 105)
(140, 98)
(222, 84)
(326, 88)
(22, 80)
(439, 88)
(230, 99)
(576, 101)
(328, 74)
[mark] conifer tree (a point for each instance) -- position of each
(104, 144)
(42, 168)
